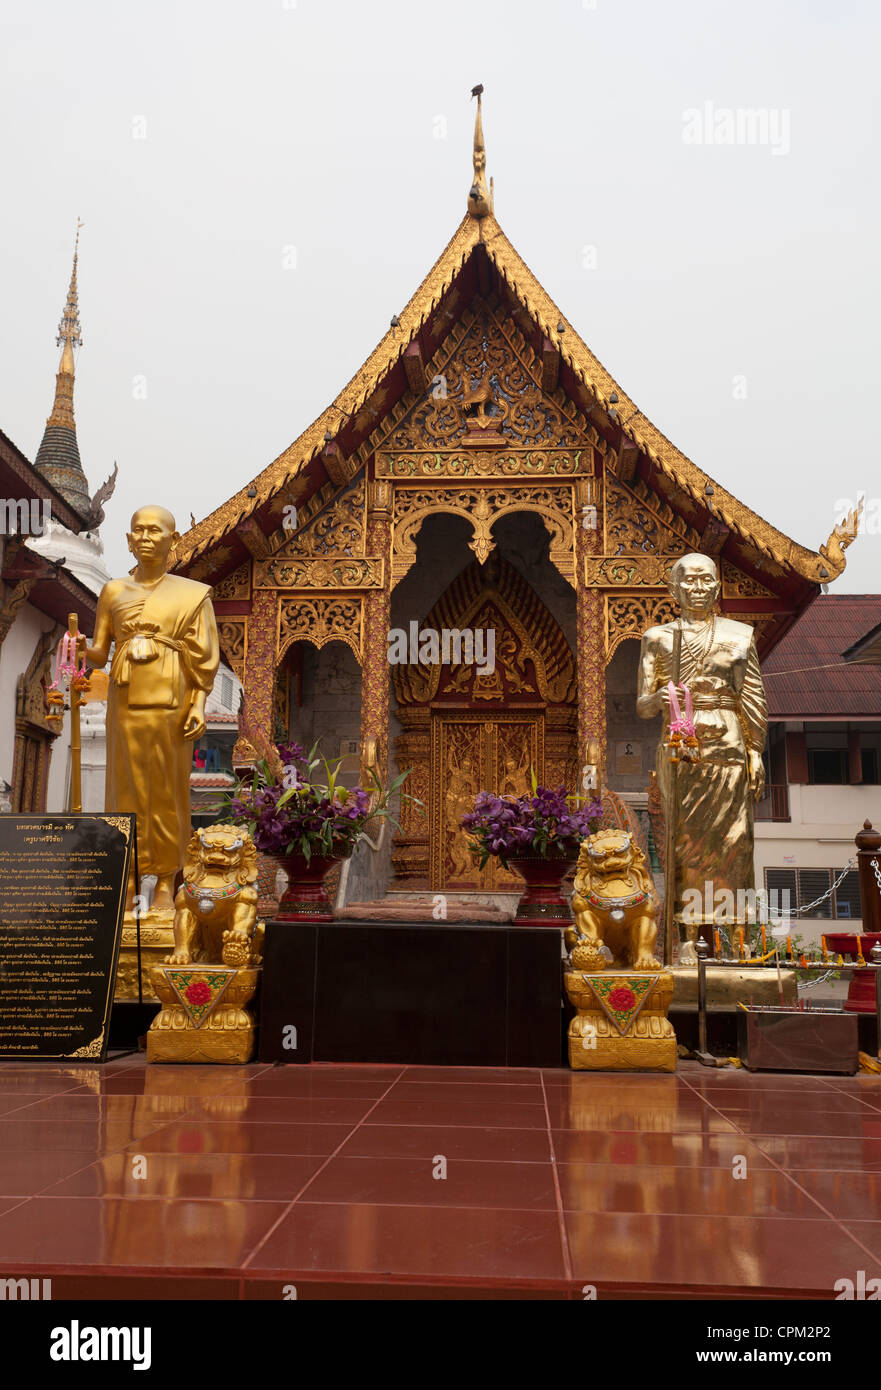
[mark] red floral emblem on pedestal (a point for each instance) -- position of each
(622, 999)
(197, 993)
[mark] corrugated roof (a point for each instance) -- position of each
(807, 677)
(868, 648)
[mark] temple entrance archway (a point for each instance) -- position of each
(467, 727)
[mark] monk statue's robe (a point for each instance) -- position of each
(166, 648)
(713, 825)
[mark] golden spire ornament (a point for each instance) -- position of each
(58, 457)
(70, 334)
(480, 197)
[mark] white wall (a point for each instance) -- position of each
(819, 835)
(93, 759)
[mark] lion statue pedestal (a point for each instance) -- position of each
(622, 1023)
(203, 1016)
(619, 988)
(214, 969)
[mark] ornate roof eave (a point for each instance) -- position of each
(817, 567)
(350, 400)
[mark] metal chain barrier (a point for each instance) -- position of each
(849, 866)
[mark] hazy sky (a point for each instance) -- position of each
(732, 289)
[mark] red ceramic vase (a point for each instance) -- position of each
(542, 903)
(305, 898)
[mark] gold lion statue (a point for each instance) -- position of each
(614, 905)
(215, 908)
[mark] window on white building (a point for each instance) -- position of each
(806, 885)
(827, 766)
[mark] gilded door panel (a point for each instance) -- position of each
(518, 745)
(459, 772)
(471, 753)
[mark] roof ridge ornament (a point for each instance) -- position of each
(69, 330)
(480, 197)
(70, 334)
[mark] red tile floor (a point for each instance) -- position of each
(388, 1181)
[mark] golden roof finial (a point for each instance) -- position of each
(480, 198)
(70, 334)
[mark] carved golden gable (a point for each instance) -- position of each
(484, 378)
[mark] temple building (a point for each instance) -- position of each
(78, 547)
(481, 474)
(36, 596)
(58, 461)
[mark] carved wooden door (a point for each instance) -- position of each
(29, 774)
(471, 752)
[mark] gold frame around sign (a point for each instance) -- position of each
(124, 822)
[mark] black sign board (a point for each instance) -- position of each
(62, 898)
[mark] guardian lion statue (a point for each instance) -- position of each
(614, 905)
(215, 908)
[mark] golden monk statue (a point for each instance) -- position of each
(710, 761)
(164, 662)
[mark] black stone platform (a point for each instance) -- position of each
(446, 995)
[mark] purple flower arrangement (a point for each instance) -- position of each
(542, 823)
(287, 811)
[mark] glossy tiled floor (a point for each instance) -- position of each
(365, 1181)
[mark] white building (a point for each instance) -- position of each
(823, 760)
(36, 597)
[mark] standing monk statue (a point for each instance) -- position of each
(164, 662)
(710, 777)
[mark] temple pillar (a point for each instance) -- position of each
(591, 625)
(258, 677)
(377, 603)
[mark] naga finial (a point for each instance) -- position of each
(480, 197)
(842, 536)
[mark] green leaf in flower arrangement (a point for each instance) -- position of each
(331, 779)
